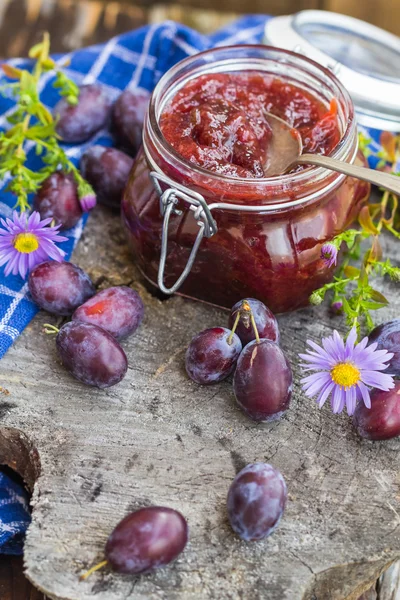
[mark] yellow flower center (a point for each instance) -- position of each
(26, 243)
(345, 374)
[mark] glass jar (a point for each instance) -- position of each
(220, 238)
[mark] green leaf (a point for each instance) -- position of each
(40, 131)
(363, 278)
(372, 305)
(366, 222)
(11, 72)
(36, 50)
(375, 253)
(378, 297)
(347, 309)
(43, 114)
(351, 272)
(48, 64)
(28, 84)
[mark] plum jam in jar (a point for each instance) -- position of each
(202, 219)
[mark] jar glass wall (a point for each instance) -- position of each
(272, 253)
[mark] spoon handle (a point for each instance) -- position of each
(384, 180)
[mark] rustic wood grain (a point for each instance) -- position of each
(157, 438)
(384, 13)
(74, 23)
(389, 584)
(273, 7)
(13, 584)
(71, 23)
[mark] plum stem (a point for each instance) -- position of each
(100, 565)
(255, 328)
(246, 308)
(232, 333)
(50, 329)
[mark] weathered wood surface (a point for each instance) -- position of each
(74, 23)
(158, 438)
(13, 585)
(388, 586)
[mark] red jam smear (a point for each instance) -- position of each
(218, 122)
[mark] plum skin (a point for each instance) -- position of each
(210, 358)
(107, 170)
(77, 123)
(256, 501)
(267, 325)
(263, 381)
(58, 199)
(59, 287)
(119, 310)
(382, 420)
(91, 354)
(127, 119)
(147, 539)
(387, 336)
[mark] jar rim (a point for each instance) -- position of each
(299, 178)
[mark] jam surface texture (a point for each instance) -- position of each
(218, 121)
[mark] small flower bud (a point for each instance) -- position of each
(329, 254)
(88, 202)
(395, 275)
(315, 298)
(337, 307)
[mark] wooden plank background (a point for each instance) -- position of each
(74, 23)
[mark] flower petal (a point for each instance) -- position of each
(331, 348)
(339, 345)
(379, 380)
(324, 394)
(351, 399)
(316, 386)
(338, 399)
(351, 340)
(364, 393)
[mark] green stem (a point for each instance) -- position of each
(392, 230)
(254, 327)
(232, 333)
(246, 308)
(50, 329)
(100, 565)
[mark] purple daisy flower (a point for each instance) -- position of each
(27, 241)
(329, 254)
(345, 371)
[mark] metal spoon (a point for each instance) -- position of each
(286, 149)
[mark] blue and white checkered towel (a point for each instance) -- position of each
(134, 60)
(14, 515)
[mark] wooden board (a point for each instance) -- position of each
(13, 584)
(158, 438)
(384, 14)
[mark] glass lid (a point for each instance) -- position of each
(352, 49)
(364, 57)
